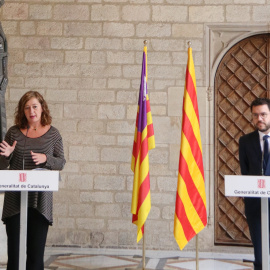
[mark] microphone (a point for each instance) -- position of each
(262, 163)
(25, 144)
(265, 153)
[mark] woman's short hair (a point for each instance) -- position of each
(20, 118)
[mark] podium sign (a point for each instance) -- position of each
(247, 186)
(35, 180)
(24, 181)
(253, 186)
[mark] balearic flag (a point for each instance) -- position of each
(144, 140)
(190, 207)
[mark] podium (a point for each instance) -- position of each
(253, 186)
(24, 181)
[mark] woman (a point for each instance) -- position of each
(31, 143)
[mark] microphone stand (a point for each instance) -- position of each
(265, 226)
(262, 164)
(23, 218)
(24, 146)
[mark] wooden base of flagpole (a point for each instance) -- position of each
(197, 252)
(143, 255)
(143, 252)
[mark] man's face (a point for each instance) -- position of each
(261, 118)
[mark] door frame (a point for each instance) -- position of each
(219, 38)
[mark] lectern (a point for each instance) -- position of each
(253, 186)
(24, 181)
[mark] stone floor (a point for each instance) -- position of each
(125, 259)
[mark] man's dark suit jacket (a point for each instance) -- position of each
(250, 155)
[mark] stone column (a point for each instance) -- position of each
(3, 82)
(3, 127)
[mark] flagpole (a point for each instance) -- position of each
(197, 240)
(143, 261)
(197, 253)
(144, 141)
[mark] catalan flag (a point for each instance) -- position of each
(144, 141)
(190, 207)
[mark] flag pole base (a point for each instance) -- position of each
(140, 268)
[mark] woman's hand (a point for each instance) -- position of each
(38, 158)
(5, 149)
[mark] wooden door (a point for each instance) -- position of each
(242, 76)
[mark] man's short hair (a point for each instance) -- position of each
(260, 101)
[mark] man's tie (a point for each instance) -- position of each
(265, 151)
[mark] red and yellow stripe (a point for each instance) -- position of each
(144, 141)
(190, 208)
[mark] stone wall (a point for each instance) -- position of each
(85, 57)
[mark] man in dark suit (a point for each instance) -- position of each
(252, 162)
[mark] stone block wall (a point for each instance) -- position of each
(85, 57)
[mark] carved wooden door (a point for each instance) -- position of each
(242, 76)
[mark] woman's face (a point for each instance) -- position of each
(33, 111)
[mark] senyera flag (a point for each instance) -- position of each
(144, 140)
(190, 207)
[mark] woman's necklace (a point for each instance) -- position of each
(34, 132)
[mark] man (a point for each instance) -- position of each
(252, 162)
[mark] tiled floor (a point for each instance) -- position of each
(131, 259)
(81, 259)
(124, 259)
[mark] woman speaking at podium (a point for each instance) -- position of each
(30, 144)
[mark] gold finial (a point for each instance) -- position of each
(189, 43)
(145, 42)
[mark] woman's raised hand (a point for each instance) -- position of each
(5, 149)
